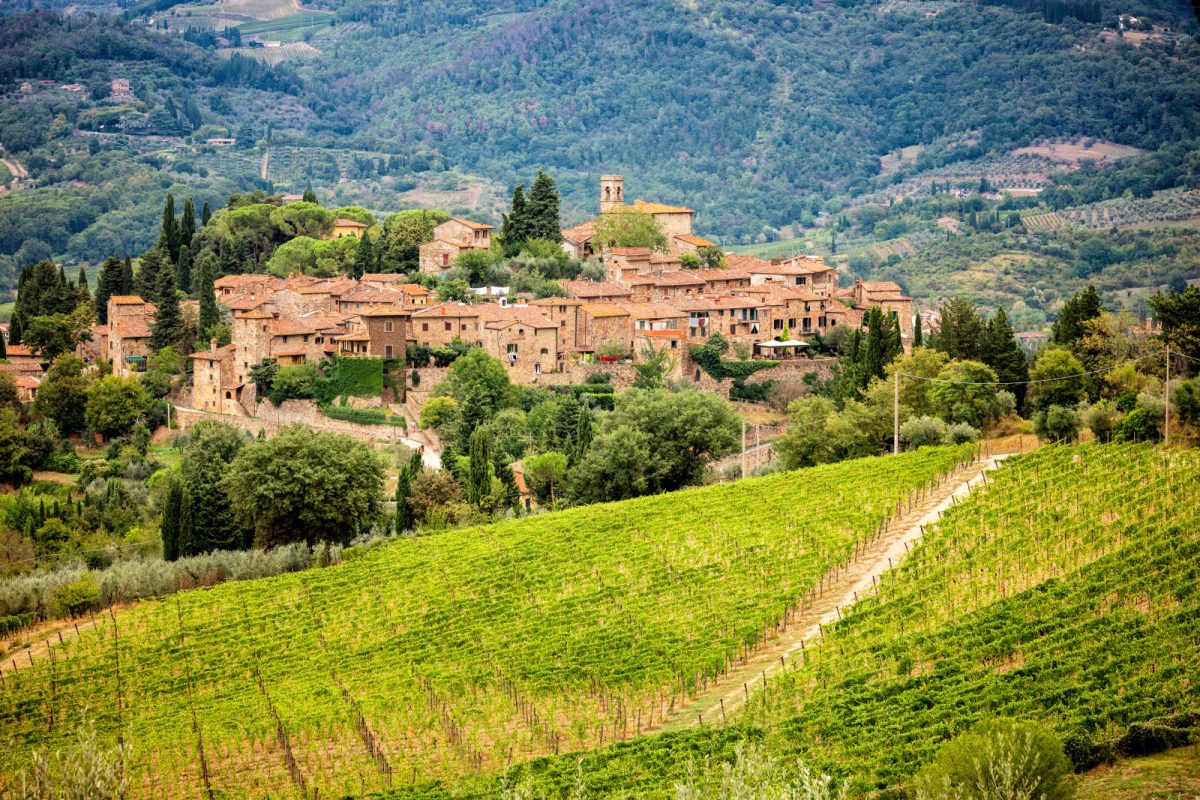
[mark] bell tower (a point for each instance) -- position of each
(612, 192)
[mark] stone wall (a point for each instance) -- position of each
(791, 371)
(270, 419)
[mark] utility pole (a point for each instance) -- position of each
(896, 413)
(1167, 405)
(743, 448)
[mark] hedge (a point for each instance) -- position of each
(364, 416)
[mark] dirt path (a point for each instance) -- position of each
(15, 167)
(43, 636)
(841, 588)
(266, 161)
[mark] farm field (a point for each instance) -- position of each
(275, 55)
(1064, 592)
(446, 656)
(1173, 206)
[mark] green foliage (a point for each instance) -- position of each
(362, 416)
(1069, 328)
(355, 377)
(88, 768)
(1179, 314)
(438, 411)
(544, 474)
(708, 357)
(114, 404)
(1057, 424)
(62, 395)
(628, 227)
(654, 441)
(77, 597)
(262, 375)
(294, 382)
(966, 391)
(1139, 425)
(1058, 380)
(205, 516)
(999, 758)
(304, 485)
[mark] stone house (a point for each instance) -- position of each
(441, 324)
(564, 313)
(451, 238)
(665, 286)
(214, 380)
(888, 296)
(598, 291)
(129, 318)
(525, 340)
(365, 296)
(388, 330)
(603, 324)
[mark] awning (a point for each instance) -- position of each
(793, 343)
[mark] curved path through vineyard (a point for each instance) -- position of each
(842, 588)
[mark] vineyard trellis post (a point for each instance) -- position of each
(1167, 404)
(896, 413)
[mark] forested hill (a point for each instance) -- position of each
(752, 112)
(742, 108)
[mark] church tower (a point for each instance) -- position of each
(612, 192)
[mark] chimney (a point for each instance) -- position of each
(212, 346)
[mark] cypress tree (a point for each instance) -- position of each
(187, 225)
(168, 529)
(514, 226)
(1004, 354)
(364, 257)
(479, 471)
(1070, 326)
(81, 288)
(168, 237)
(183, 270)
(145, 281)
(918, 341)
(566, 423)
(14, 330)
(3, 349)
(186, 522)
(310, 196)
(542, 210)
(404, 519)
(127, 282)
(167, 328)
(108, 283)
(209, 315)
(205, 214)
(583, 437)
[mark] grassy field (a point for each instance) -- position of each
(451, 655)
(1174, 775)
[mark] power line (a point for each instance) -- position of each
(1030, 382)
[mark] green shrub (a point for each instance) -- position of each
(999, 759)
(1157, 735)
(74, 598)
(15, 623)
(298, 382)
(924, 431)
(363, 416)
(356, 377)
(1056, 424)
(1139, 425)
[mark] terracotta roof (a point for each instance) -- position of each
(243, 302)
(413, 289)
(695, 241)
(381, 277)
(220, 354)
(586, 289)
(22, 367)
(291, 327)
(604, 310)
(370, 294)
(18, 350)
(520, 316)
(291, 350)
(472, 223)
(631, 251)
(580, 233)
(357, 336)
(781, 269)
(126, 300)
(721, 274)
(451, 309)
(325, 322)
(556, 301)
(349, 223)
(673, 278)
(745, 262)
(651, 310)
(241, 280)
(125, 329)
(251, 315)
(660, 208)
(26, 381)
(382, 310)
(880, 286)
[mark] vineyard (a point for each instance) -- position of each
(442, 657)
(1065, 591)
(1173, 206)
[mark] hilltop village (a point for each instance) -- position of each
(647, 302)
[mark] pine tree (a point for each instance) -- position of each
(479, 470)
(514, 226)
(364, 257)
(961, 335)
(542, 210)
(1070, 326)
(205, 214)
(209, 315)
(168, 529)
(167, 328)
(1003, 353)
(310, 196)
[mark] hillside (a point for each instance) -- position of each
(441, 656)
(1065, 592)
(757, 115)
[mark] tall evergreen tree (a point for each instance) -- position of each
(364, 257)
(82, 293)
(167, 329)
(127, 281)
(183, 270)
(168, 528)
(542, 210)
(514, 226)
(310, 196)
(404, 514)
(209, 314)
(187, 225)
(961, 335)
(479, 470)
(108, 283)
(15, 330)
(583, 436)
(205, 214)
(186, 523)
(1003, 353)
(145, 280)
(168, 237)
(918, 339)
(3, 349)
(1071, 325)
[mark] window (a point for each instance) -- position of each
(562, 323)
(388, 326)
(387, 351)
(445, 259)
(449, 327)
(424, 326)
